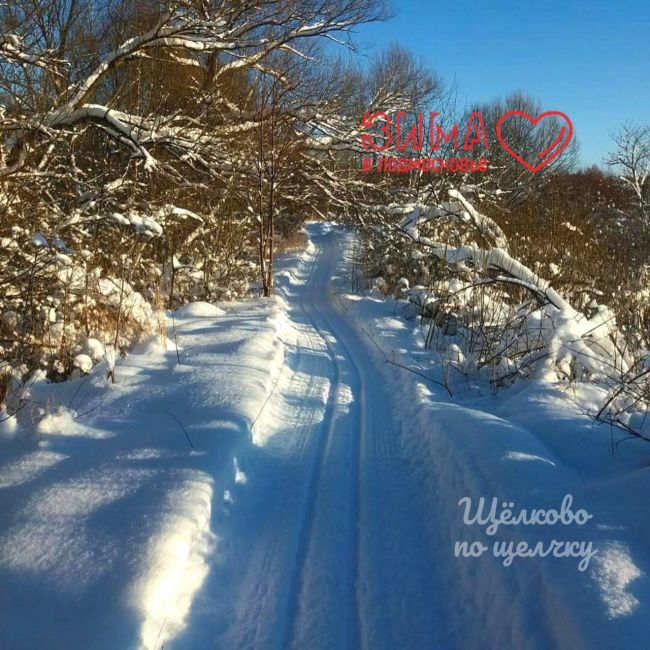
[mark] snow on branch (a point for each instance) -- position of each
(494, 259)
(461, 210)
(218, 39)
(13, 51)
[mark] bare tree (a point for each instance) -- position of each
(512, 180)
(135, 136)
(631, 159)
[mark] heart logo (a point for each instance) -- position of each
(548, 155)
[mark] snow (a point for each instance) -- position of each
(63, 422)
(83, 362)
(616, 572)
(9, 428)
(531, 445)
(94, 348)
(109, 357)
(39, 240)
(275, 477)
(106, 513)
(200, 310)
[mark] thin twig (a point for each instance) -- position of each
(171, 415)
(399, 365)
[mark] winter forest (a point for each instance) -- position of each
(164, 165)
(154, 155)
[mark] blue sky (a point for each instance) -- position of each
(587, 58)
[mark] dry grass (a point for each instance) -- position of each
(291, 242)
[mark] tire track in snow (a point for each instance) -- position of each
(395, 590)
(348, 581)
(315, 387)
(263, 595)
(340, 558)
(352, 637)
(269, 600)
(306, 530)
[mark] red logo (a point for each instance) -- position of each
(406, 135)
(548, 155)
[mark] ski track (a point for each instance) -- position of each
(329, 544)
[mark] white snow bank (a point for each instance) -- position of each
(199, 310)
(176, 563)
(153, 344)
(112, 500)
(529, 445)
(94, 348)
(615, 574)
(83, 362)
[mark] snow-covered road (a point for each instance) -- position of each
(332, 546)
(273, 484)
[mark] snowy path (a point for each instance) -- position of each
(330, 547)
(317, 508)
